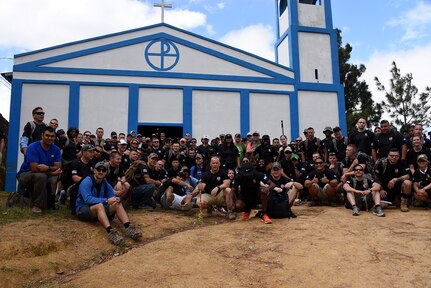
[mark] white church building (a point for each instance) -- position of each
(162, 77)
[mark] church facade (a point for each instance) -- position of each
(162, 77)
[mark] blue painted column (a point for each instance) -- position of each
(74, 96)
(132, 123)
(188, 110)
(244, 112)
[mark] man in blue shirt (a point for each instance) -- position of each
(40, 169)
(97, 201)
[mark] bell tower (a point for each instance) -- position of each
(307, 43)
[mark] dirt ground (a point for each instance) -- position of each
(323, 247)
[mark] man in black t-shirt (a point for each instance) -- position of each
(386, 140)
(422, 180)
(115, 175)
(33, 130)
(393, 175)
(248, 183)
(321, 184)
(362, 138)
(359, 191)
(215, 189)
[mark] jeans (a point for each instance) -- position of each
(143, 195)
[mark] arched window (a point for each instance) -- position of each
(283, 6)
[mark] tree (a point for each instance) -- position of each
(403, 103)
(358, 99)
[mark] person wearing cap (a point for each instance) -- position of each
(214, 188)
(287, 164)
(40, 170)
(248, 183)
(328, 143)
(183, 146)
(265, 151)
(422, 181)
(416, 150)
(174, 153)
(285, 189)
(97, 201)
(133, 133)
(204, 149)
(68, 146)
(341, 143)
(179, 194)
(321, 184)
(199, 168)
(253, 144)
(393, 174)
(362, 193)
(156, 148)
(222, 137)
(229, 154)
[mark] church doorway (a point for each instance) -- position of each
(174, 132)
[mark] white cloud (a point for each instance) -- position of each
(414, 21)
(43, 23)
(416, 61)
(221, 5)
(257, 39)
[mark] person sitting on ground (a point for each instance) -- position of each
(214, 188)
(422, 181)
(40, 170)
(393, 175)
(321, 184)
(115, 176)
(179, 194)
(359, 189)
(97, 201)
(251, 193)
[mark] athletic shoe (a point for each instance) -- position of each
(232, 216)
(245, 216)
(266, 219)
(297, 202)
(36, 211)
(187, 206)
(221, 210)
(356, 211)
(378, 211)
(132, 233)
(115, 238)
(403, 204)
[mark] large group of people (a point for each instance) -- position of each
(103, 176)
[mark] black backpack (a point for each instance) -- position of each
(278, 205)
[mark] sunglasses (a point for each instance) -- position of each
(245, 161)
(356, 170)
(39, 113)
(198, 158)
(52, 123)
(318, 163)
(101, 169)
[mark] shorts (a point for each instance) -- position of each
(218, 200)
(364, 203)
(85, 214)
(176, 204)
(322, 191)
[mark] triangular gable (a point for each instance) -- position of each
(183, 57)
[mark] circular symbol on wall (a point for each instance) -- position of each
(162, 55)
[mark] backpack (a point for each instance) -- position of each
(278, 205)
(306, 143)
(131, 171)
(17, 199)
(363, 202)
(384, 162)
(334, 142)
(368, 162)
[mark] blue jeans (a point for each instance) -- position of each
(143, 195)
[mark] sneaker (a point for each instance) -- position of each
(403, 205)
(232, 216)
(297, 202)
(245, 216)
(221, 210)
(356, 211)
(378, 211)
(266, 219)
(115, 238)
(62, 198)
(132, 233)
(36, 211)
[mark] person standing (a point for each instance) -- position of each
(33, 130)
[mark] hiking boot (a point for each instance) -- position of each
(356, 211)
(36, 211)
(115, 238)
(232, 216)
(245, 216)
(187, 206)
(378, 211)
(297, 202)
(266, 219)
(132, 233)
(403, 205)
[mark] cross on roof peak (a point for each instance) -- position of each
(163, 6)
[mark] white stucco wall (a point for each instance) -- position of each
(311, 15)
(215, 112)
(317, 110)
(160, 105)
(103, 106)
(54, 100)
(266, 113)
(283, 52)
(315, 53)
(283, 21)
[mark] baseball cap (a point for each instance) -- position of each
(265, 137)
(336, 129)
(122, 142)
(423, 157)
(113, 134)
(221, 135)
(249, 134)
(276, 165)
(206, 137)
(237, 135)
(87, 147)
(295, 157)
(153, 155)
(255, 133)
(102, 164)
(327, 128)
(183, 140)
(288, 149)
(184, 169)
(228, 136)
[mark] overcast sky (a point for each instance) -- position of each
(380, 31)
